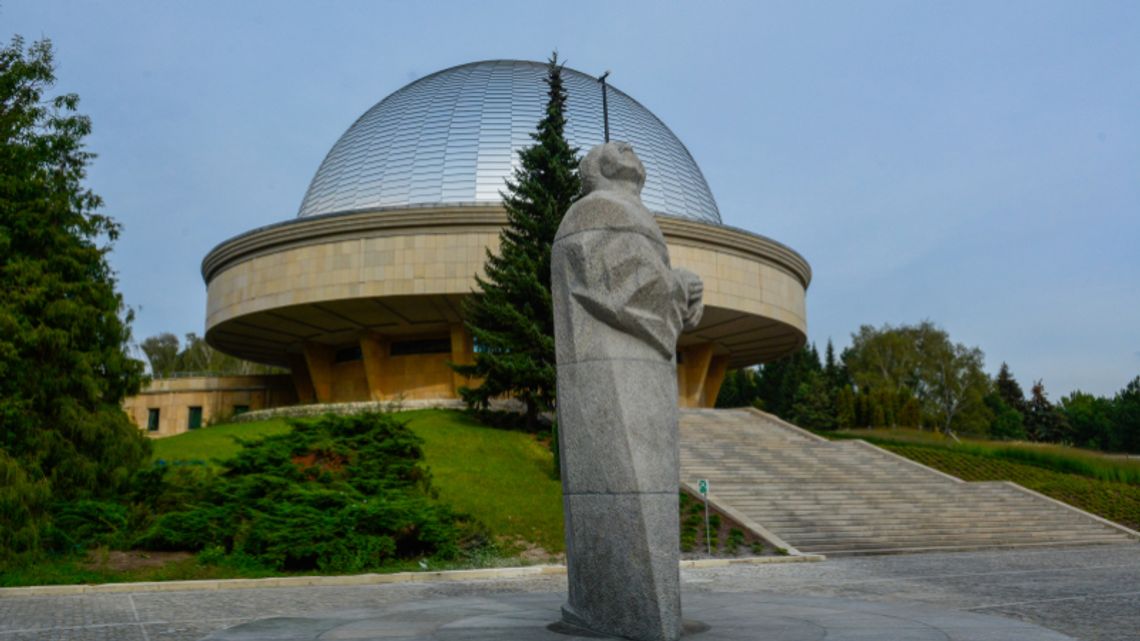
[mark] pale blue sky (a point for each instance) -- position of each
(972, 163)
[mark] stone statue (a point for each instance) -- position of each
(618, 310)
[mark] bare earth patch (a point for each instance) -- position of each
(119, 561)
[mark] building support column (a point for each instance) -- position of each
(462, 353)
(374, 348)
(717, 369)
(695, 361)
(302, 382)
(319, 359)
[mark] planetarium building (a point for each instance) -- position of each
(361, 294)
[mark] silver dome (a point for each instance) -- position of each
(453, 137)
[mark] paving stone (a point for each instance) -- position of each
(1090, 593)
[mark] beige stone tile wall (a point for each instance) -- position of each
(748, 285)
(425, 263)
(419, 376)
(349, 382)
(740, 273)
(217, 397)
(446, 264)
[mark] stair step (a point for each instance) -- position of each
(845, 498)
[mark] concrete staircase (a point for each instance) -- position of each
(849, 497)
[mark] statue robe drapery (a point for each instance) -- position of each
(619, 309)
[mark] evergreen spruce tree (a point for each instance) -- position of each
(1009, 390)
(511, 315)
(1043, 420)
(729, 394)
(1126, 416)
(813, 407)
(780, 380)
(64, 332)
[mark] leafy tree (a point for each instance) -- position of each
(1091, 420)
(957, 386)
(845, 408)
(888, 358)
(167, 357)
(511, 316)
(1008, 424)
(890, 365)
(162, 352)
(198, 356)
(910, 412)
(64, 331)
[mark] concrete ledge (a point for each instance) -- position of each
(443, 576)
(288, 581)
(700, 564)
(995, 547)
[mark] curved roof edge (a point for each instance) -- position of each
(310, 228)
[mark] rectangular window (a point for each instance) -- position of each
(426, 346)
(195, 418)
(152, 419)
(349, 354)
(240, 409)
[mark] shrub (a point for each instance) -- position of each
(735, 540)
(340, 494)
(84, 524)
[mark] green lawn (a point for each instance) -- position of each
(215, 442)
(500, 477)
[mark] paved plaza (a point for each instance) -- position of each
(1089, 593)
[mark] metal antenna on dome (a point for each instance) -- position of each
(605, 105)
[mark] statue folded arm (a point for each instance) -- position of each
(621, 279)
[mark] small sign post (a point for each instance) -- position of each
(703, 488)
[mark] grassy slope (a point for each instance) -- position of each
(1104, 485)
(215, 442)
(502, 478)
(1059, 458)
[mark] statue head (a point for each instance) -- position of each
(612, 165)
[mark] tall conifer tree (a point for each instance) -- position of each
(511, 316)
(64, 365)
(1009, 390)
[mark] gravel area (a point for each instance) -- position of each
(1089, 593)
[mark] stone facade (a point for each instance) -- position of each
(174, 405)
(368, 306)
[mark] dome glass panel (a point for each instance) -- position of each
(453, 137)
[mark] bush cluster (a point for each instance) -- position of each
(338, 494)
